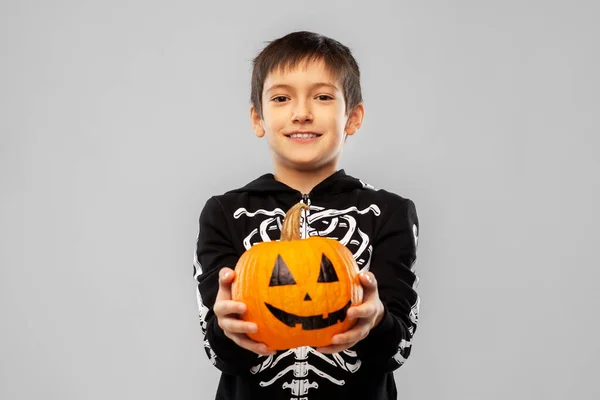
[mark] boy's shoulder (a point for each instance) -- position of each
(385, 195)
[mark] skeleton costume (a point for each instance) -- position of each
(380, 229)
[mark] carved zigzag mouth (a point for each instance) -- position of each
(311, 322)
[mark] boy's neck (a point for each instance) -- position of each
(303, 181)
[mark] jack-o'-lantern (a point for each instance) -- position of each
(297, 291)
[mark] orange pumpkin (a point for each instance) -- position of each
(297, 291)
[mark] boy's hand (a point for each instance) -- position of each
(369, 315)
(227, 310)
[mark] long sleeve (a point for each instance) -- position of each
(214, 250)
(388, 345)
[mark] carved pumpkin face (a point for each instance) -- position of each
(297, 291)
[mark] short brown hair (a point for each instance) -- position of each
(293, 48)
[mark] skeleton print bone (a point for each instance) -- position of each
(340, 219)
(301, 368)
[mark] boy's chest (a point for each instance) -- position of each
(352, 225)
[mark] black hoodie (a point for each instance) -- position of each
(380, 228)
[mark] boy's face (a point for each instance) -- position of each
(305, 99)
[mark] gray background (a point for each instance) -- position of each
(119, 119)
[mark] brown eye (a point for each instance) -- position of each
(324, 97)
(282, 98)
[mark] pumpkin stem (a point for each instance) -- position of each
(291, 223)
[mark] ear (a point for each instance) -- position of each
(355, 119)
(257, 123)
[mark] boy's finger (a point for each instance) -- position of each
(249, 344)
(354, 334)
(335, 348)
(367, 279)
(226, 307)
(238, 326)
(225, 279)
(226, 275)
(364, 310)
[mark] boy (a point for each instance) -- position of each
(306, 99)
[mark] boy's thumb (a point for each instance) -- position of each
(368, 278)
(225, 274)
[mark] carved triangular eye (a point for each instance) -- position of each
(327, 273)
(281, 274)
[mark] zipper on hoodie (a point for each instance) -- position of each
(304, 227)
(306, 199)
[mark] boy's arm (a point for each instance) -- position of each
(388, 345)
(214, 251)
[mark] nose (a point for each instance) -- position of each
(307, 297)
(301, 114)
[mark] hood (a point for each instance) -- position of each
(337, 182)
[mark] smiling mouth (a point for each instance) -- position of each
(303, 135)
(311, 322)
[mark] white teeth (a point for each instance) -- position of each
(303, 135)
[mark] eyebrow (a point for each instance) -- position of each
(314, 85)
